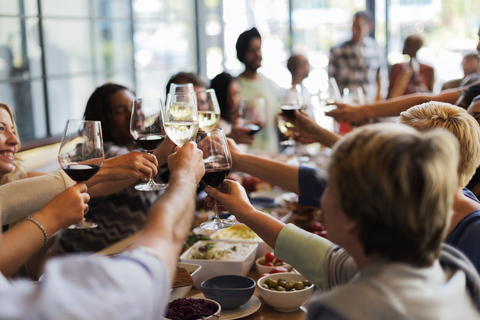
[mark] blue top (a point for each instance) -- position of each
(312, 182)
(466, 235)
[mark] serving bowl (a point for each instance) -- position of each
(230, 291)
(237, 263)
(241, 232)
(188, 302)
(266, 269)
(181, 292)
(285, 301)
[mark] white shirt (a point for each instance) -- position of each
(131, 286)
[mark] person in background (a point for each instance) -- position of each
(255, 85)
(360, 62)
(384, 258)
(470, 65)
(133, 285)
(122, 213)
(227, 90)
(199, 86)
(412, 76)
(299, 68)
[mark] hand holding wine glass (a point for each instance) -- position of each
(181, 117)
(81, 154)
(146, 127)
(218, 163)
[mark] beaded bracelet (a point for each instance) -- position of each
(45, 234)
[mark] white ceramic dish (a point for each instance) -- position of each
(224, 234)
(212, 268)
(247, 309)
(265, 269)
(181, 292)
(285, 301)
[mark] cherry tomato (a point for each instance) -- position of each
(263, 275)
(276, 260)
(269, 257)
(268, 264)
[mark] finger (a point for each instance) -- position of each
(86, 208)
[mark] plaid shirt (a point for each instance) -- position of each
(358, 66)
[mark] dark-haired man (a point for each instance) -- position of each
(256, 85)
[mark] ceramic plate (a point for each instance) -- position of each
(247, 309)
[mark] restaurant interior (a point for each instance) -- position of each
(110, 71)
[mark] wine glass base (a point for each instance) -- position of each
(150, 187)
(217, 224)
(83, 225)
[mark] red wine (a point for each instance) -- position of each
(288, 111)
(150, 143)
(213, 177)
(253, 128)
(81, 172)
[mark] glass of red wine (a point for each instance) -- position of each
(218, 163)
(290, 101)
(252, 114)
(146, 127)
(81, 154)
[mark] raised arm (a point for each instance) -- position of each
(171, 216)
(389, 107)
(274, 172)
(27, 237)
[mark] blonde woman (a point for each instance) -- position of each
(387, 208)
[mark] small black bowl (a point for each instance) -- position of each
(230, 291)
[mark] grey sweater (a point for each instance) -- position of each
(449, 289)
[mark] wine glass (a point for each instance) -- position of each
(291, 101)
(81, 154)
(252, 114)
(218, 163)
(146, 127)
(208, 110)
(181, 117)
(181, 88)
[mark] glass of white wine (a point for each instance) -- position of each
(208, 110)
(181, 88)
(181, 117)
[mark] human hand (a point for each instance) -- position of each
(346, 113)
(235, 152)
(241, 135)
(164, 150)
(186, 162)
(66, 208)
(305, 127)
(233, 197)
(132, 165)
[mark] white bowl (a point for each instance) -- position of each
(233, 233)
(285, 301)
(239, 265)
(214, 316)
(181, 292)
(266, 269)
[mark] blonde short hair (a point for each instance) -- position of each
(398, 185)
(18, 171)
(436, 114)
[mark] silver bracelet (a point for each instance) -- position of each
(45, 234)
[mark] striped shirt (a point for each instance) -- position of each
(355, 66)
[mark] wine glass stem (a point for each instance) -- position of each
(215, 209)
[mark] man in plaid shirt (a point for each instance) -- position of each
(360, 61)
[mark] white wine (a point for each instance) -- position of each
(180, 132)
(180, 111)
(208, 120)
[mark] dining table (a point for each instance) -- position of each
(265, 312)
